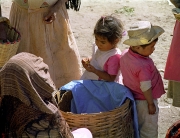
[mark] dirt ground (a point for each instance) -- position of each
(129, 11)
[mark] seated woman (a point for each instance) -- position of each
(28, 108)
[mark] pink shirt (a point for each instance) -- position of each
(135, 69)
(112, 65)
(172, 65)
(104, 61)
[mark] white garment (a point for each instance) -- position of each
(98, 60)
(35, 4)
(54, 42)
(148, 124)
(82, 133)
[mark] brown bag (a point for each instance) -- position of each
(174, 130)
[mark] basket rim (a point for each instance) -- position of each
(127, 101)
(15, 41)
(113, 123)
(4, 19)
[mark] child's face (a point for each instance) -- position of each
(103, 44)
(147, 51)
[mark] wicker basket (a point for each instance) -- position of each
(117, 123)
(9, 49)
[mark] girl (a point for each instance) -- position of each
(104, 64)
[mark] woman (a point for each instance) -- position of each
(46, 32)
(172, 65)
(28, 107)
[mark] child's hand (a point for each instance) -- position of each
(86, 64)
(152, 108)
(90, 68)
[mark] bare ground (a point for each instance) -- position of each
(129, 11)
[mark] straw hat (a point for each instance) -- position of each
(142, 32)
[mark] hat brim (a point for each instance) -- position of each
(138, 42)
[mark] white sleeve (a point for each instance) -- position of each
(145, 85)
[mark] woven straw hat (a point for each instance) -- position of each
(142, 32)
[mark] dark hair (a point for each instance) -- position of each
(144, 46)
(73, 4)
(109, 27)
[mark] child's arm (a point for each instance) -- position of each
(112, 67)
(149, 98)
(101, 74)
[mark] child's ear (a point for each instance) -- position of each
(117, 40)
(137, 47)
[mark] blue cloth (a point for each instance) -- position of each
(92, 96)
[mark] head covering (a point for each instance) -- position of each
(26, 92)
(142, 33)
(26, 77)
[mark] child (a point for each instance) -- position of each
(141, 76)
(104, 64)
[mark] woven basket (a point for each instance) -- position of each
(9, 49)
(117, 123)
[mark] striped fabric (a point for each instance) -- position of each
(29, 109)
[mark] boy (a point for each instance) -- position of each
(141, 76)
